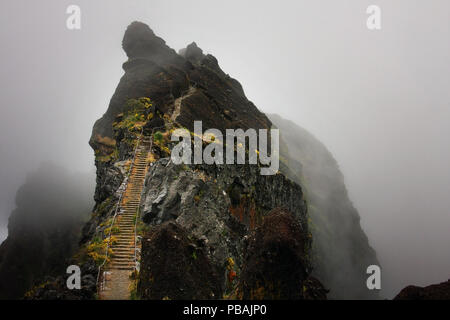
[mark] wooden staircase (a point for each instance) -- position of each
(117, 272)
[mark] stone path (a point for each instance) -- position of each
(117, 284)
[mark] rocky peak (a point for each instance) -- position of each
(140, 41)
(191, 86)
(192, 53)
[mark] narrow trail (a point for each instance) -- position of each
(116, 274)
(178, 102)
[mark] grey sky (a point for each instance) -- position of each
(379, 100)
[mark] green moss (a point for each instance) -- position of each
(135, 116)
(158, 136)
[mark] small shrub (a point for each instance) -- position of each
(158, 136)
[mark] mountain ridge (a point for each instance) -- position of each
(217, 211)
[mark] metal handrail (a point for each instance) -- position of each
(138, 213)
(117, 209)
(139, 210)
(118, 206)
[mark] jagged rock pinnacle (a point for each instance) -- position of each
(192, 53)
(140, 41)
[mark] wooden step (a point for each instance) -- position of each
(123, 252)
(122, 263)
(125, 257)
(126, 243)
(122, 247)
(121, 268)
(129, 261)
(128, 258)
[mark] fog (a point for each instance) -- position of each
(379, 100)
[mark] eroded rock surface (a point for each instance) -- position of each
(439, 291)
(219, 205)
(176, 266)
(275, 263)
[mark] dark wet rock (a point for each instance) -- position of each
(313, 289)
(275, 263)
(192, 53)
(154, 70)
(156, 122)
(140, 41)
(56, 288)
(109, 178)
(439, 291)
(204, 201)
(174, 267)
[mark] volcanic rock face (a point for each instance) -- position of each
(176, 267)
(212, 207)
(188, 89)
(154, 70)
(439, 291)
(275, 252)
(219, 205)
(192, 53)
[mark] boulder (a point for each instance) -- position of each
(174, 267)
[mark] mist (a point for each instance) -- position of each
(378, 100)
(44, 228)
